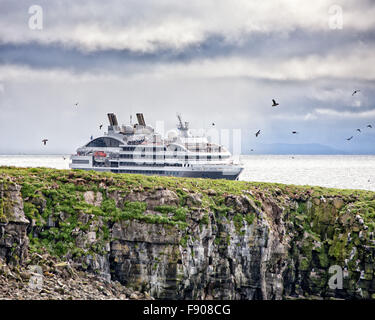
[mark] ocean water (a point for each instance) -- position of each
(48, 161)
(336, 171)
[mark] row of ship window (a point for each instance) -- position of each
(159, 149)
(108, 142)
(145, 164)
(116, 164)
(186, 157)
(149, 149)
(168, 173)
(79, 161)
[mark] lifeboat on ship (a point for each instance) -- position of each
(100, 156)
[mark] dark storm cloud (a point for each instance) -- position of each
(273, 46)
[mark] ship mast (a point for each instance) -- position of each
(182, 127)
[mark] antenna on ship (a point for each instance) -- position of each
(183, 127)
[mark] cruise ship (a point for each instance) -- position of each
(137, 148)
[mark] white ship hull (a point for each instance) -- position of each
(230, 172)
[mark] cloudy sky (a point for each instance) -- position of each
(212, 61)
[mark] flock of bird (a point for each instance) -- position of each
(359, 130)
(275, 104)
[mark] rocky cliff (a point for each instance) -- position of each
(180, 238)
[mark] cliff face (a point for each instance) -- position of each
(192, 238)
(13, 224)
(220, 258)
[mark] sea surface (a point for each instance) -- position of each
(336, 171)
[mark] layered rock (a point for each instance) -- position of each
(13, 223)
(259, 242)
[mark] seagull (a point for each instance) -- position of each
(350, 138)
(274, 103)
(100, 127)
(44, 141)
(355, 91)
(294, 132)
(369, 126)
(257, 134)
(359, 130)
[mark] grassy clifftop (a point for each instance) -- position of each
(90, 180)
(74, 214)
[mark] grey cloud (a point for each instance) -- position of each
(146, 26)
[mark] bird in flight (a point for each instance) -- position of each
(355, 91)
(100, 127)
(274, 103)
(257, 134)
(359, 130)
(350, 138)
(252, 150)
(369, 126)
(294, 132)
(44, 141)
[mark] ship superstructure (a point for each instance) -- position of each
(139, 149)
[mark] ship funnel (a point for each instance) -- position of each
(141, 119)
(112, 119)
